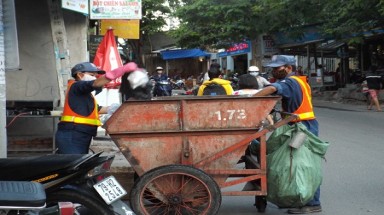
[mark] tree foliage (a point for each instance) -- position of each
(217, 23)
(350, 19)
(154, 16)
(214, 22)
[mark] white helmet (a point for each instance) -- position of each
(253, 69)
(159, 68)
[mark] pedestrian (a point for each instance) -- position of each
(365, 91)
(297, 72)
(215, 85)
(254, 71)
(80, 118)
(374, 80)
(296, 98)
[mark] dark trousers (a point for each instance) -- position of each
(72, 142)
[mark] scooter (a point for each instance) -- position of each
(80, 179)
(178, 85)
(28, 198)
(162, 88)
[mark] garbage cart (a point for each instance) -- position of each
(186, 150)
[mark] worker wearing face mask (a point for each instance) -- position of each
(80, 118)
(262, 82)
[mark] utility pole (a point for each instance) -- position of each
(60, 44)
(3, 116)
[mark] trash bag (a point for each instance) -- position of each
(111, 109)
(292, 181)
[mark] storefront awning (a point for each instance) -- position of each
(183, 53)
(300, 44)
(331, 46)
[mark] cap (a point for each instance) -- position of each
(253, 69)
(281, 60)
(86, 67)
(159, 68)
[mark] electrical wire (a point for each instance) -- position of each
(14, 118)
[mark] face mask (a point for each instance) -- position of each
(254, 73)
(87, 77)
(279, 74)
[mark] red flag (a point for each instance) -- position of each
(108, 58)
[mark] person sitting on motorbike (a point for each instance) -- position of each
(161, 89)
(159, 76)
(214, 79)
(254, 71)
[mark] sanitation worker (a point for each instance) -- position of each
(296, 98)
(80, 118)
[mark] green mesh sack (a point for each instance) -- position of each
(293, 182)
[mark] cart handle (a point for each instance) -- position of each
(288, 118)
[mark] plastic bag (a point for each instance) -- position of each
(138, 78)
(292, 183)
(111, 109)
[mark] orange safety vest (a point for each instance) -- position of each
(70, 116)
(303, 77)
(305, 110)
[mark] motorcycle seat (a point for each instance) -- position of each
(21, 194)
(27, 168)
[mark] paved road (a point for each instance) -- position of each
(354, 168)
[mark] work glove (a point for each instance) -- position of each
(117, 73)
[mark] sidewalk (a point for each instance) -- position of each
(346, 104)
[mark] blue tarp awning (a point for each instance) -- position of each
(183, 53)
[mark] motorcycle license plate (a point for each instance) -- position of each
(110, 189)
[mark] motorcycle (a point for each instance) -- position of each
(162, 88)
(80, 179)
(178, 85)
(28, 198)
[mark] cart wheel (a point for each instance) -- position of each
(261, 203)
(175, 189)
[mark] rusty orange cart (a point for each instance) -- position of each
(187, 149)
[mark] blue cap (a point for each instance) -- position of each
(281, 60)
(85, 67)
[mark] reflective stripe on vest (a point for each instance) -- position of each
(70, 116)
(80, 120)
(305, 110)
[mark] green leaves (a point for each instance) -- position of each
(234, 21)
(215, 23)
(349, 19)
